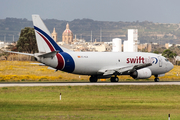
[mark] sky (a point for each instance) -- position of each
(158, 11)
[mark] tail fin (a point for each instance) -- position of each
(43, 37)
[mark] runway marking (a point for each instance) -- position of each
(87, 84)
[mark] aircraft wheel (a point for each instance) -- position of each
(156, 80)
(93, 79)
(114, 79)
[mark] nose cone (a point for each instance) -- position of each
(170, 66)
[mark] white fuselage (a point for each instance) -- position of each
(89, 63)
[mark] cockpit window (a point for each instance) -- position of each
(166, 60)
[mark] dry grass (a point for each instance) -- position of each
(24, 71)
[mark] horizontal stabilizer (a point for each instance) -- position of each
(51, 68)
(49, 55)
(40, 64)
(20, 53)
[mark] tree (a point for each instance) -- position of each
(157, 52)
(27, 41)
(169, 54)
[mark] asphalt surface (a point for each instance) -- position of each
(85, 83)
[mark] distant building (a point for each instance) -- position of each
(149, 47)
(117, 45)
(67, 36)
(54, 35)
(130, 45)
(100, 47)
(167, 45)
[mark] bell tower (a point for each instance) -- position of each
(54, 35)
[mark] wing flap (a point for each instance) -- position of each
(123, 70)
(137, 67)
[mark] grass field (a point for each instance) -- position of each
(90, 102)
(83, 102)
(24, 71)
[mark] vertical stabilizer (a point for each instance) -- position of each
(43, 37)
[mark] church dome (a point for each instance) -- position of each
(67, 31)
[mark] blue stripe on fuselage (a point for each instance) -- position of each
(57, 48)
(69, 62)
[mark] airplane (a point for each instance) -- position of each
(138, 65)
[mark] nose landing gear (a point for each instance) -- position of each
(156, 79)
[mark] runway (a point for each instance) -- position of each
(85, 83)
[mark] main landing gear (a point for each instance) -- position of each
(156, 79)
(93, 79)
(114, 79)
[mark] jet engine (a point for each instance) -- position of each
(141, 73)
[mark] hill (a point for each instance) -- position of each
(147, 31)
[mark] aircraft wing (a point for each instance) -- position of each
(125, 70)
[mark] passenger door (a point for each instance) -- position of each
(160, 61)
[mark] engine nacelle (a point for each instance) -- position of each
(141, 74)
